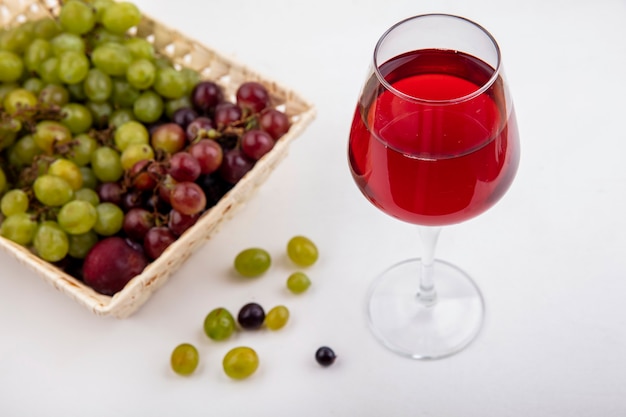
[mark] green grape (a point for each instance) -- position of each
(119, 17)
(131, 132)
(73, 67)
(46, 28)
(252, 262)
(141, 74)
(76, 117)
(69, 171)
(110, 219)
(65, 41)
(99, 6)
(14, 202)
(97, 85)
(219, 324)
(111, 58)
(52, 191)
(277, 317)
(87, 194)
(20, 100)
(51, 242)
(106, 164)
(77, 17)
(16, 39)
(37, 51)
(34, 85)
(124, 94)
(89, 178)
(302, 251)
(148, 108)
(140, 48)
(11, 66)
(6, 88)
(121, 116)
(19, 228)
(100, 112)
(192, 77)
(81, 244)
(170, 83)
(100, 36)
(298, 282)
(49, 70)
(134, 153)
(25, 149)
(240, 362)
(184, 359)
(77, 217)
(83, 146)
(53, 95)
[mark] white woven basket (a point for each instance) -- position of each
(214, 66)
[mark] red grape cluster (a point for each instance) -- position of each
(202, 151)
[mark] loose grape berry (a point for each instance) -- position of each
(325, 356)
(251, 316)
(298, 282)
(277, 317)
(252, 262)
(219, 324)
(302, 251)
(184, 359)
(240, 362)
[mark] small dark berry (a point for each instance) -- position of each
(251, 316)
(325, 356)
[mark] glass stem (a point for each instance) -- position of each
(427, 294)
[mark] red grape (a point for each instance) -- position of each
(156, 240)
(184, 167)
(184, 116)
(110, 192)
(198, 128)
(226, 114)
(235, 165)
(274, 122)
(252, 97)
(178, 223)
(256, 143)
(144, 175)
(187, 198)
(208, 153)
(137, 222)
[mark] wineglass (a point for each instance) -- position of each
(433, 142)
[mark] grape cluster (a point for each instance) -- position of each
(108, 151)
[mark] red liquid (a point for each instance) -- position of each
(428, 163)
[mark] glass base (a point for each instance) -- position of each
(408, 327)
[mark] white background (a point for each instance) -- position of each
(550, 257)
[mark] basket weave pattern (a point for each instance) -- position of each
(211, 65)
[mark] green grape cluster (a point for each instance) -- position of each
(101, 136)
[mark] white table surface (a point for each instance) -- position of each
(550, 257)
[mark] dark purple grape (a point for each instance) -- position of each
(325, 356)
(251, 316)
(183, 116)
(256, 143)
(252, 97)
(137, 222)
(205, 96)
(110, 192)
(111, 263)
(214, 188)
(132, 199)
(156, 240)
(235, 165)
